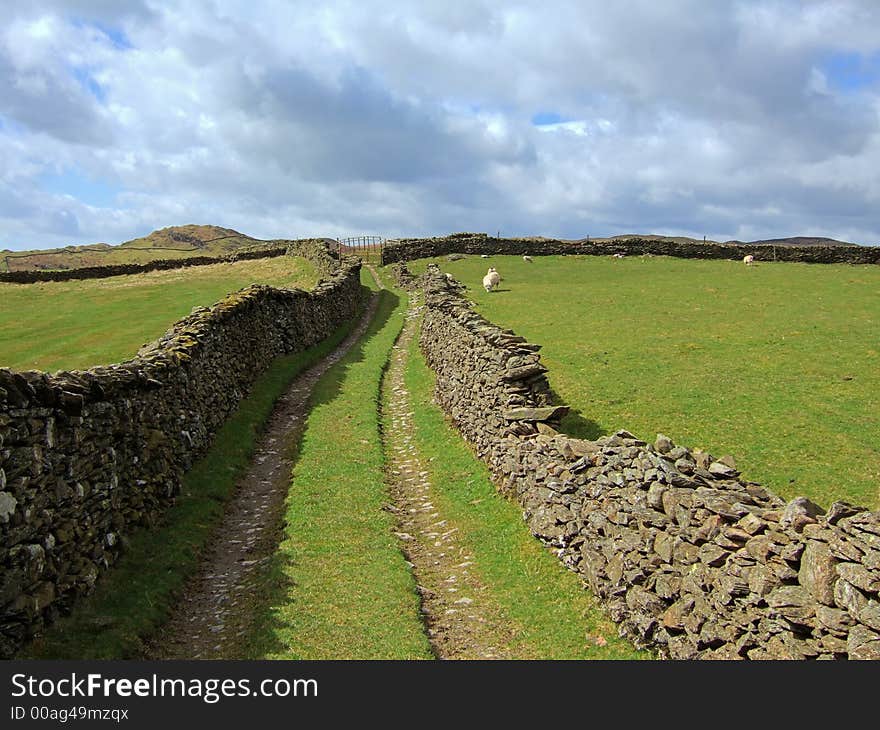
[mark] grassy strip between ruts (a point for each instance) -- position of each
(557, 617)
(135, 596)
(339, 587)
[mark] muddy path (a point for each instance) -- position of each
(213, 616)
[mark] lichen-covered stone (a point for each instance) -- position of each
(817, 572)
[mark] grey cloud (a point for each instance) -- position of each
(43, 101)
(416, 118)
(359, 131)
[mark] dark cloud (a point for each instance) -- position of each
(45, 102)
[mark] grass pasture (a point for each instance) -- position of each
(77, 324)
(777, 364)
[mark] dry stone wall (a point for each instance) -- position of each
(408, 249)
(688, 558)
(99, 272)
(85, 456)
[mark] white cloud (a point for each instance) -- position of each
(284, 119)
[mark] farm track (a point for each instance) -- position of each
(461, 619)
(213, 616)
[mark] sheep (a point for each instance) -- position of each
(484, 255)
(619, 255)
(749, 260)
(527, 259)
(491, 279)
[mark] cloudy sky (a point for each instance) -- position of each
(745, 120)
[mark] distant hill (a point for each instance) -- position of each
(790, 241)
(166, 243)
(203, 238)
(798, 241)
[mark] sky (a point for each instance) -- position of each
(280, 119)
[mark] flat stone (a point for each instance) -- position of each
(788, 596)
(838, 510)
(844, 549)
(799, 512)
(655, 495)
(817, 572)
(720, 469)
(549, 413)
(712, 554)
(847, 596)
(684, 552)
(663, 544)
(833, 644)
(862, 643)
(863, 522)
(870, 615)
(834, 620)
(667, 585)
(859, 576)
(524, 372)
(752, 524)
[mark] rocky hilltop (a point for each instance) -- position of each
(165, 243)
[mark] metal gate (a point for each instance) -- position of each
(369, 248)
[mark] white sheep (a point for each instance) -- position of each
(491, 279)
(527, 259)
(749, 260)
(484, 255)
(619, 255)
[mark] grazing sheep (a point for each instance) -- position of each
(749, 260)
(619, 255)
(527, 259)
(484, 255)
(491, 279)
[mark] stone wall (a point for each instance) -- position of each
(408, 249)
(269, 250)
(688, 558)
(85, 456)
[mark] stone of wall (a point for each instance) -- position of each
(408, 249)
(688, 558)
(87, 455)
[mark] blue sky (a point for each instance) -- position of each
(73, 183)
(852, 72)
(743, 119)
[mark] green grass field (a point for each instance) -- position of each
(777, 364)
(77, 324)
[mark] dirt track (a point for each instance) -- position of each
(213, 615)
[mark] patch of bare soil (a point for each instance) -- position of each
(214, 615)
